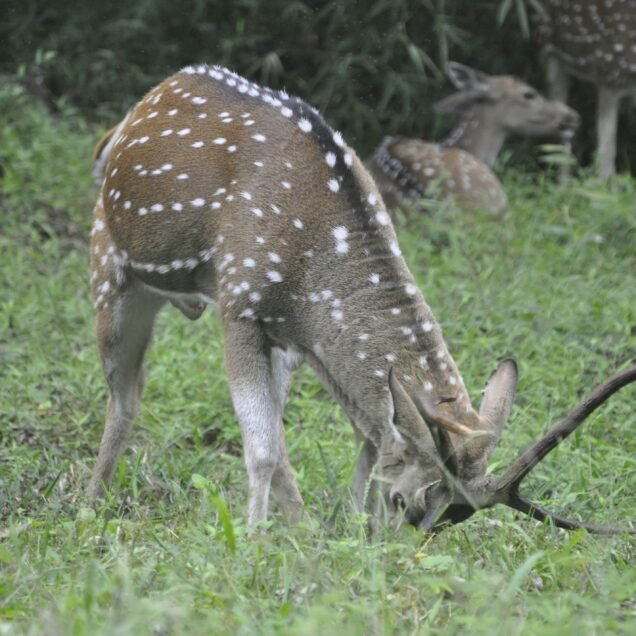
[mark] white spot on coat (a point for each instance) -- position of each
(382, 217)
(304, 125)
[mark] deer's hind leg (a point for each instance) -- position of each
(125, 316)
(259, 378)
(283, 480)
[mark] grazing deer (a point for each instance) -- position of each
(217, 190)
(594, 41)
(491, 107)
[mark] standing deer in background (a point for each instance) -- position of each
(217, 190)
(491, 107)
(594, 41)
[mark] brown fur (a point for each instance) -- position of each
(279, 224)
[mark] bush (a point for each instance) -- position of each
(372, 67)
(45, 167)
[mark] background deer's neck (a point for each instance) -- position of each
(480, 134)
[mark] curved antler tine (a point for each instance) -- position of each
(528, 460)
(520, 503)
(432, 416)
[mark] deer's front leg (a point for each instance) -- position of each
(258, 384)
(364, 490)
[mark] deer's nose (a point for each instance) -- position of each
(571, 122)
(397, 500)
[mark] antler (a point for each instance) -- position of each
(463, 499)
(442, 423)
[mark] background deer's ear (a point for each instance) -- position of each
(460, 103)
(405, 418)
(473, 87)
(465, 78)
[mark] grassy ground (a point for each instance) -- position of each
(553, 285)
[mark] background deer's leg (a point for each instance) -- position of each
(558, 80)
(258, 385)
(558, 87)
(124, 329)
(606, 127)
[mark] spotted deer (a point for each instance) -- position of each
(491, 107)
(219, 191)
(594, 41)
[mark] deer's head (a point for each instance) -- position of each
(433, 464)
(514, 106)
(413, 462)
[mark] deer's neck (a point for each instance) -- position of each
(480, 134)
(354, 334)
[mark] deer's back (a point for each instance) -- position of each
(211, 169)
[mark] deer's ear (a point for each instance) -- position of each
(493, 414)
(460, 103)
(405, 418)
(465, 78)
(499, 395)
(473, 88)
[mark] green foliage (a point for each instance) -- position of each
(41, 172)
(169, 552)
(372, 67)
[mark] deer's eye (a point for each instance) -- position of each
(529, 95)
(394, 462)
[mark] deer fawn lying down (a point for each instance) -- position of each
(491, 107)
(217, 190)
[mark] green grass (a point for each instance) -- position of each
(552, 285)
